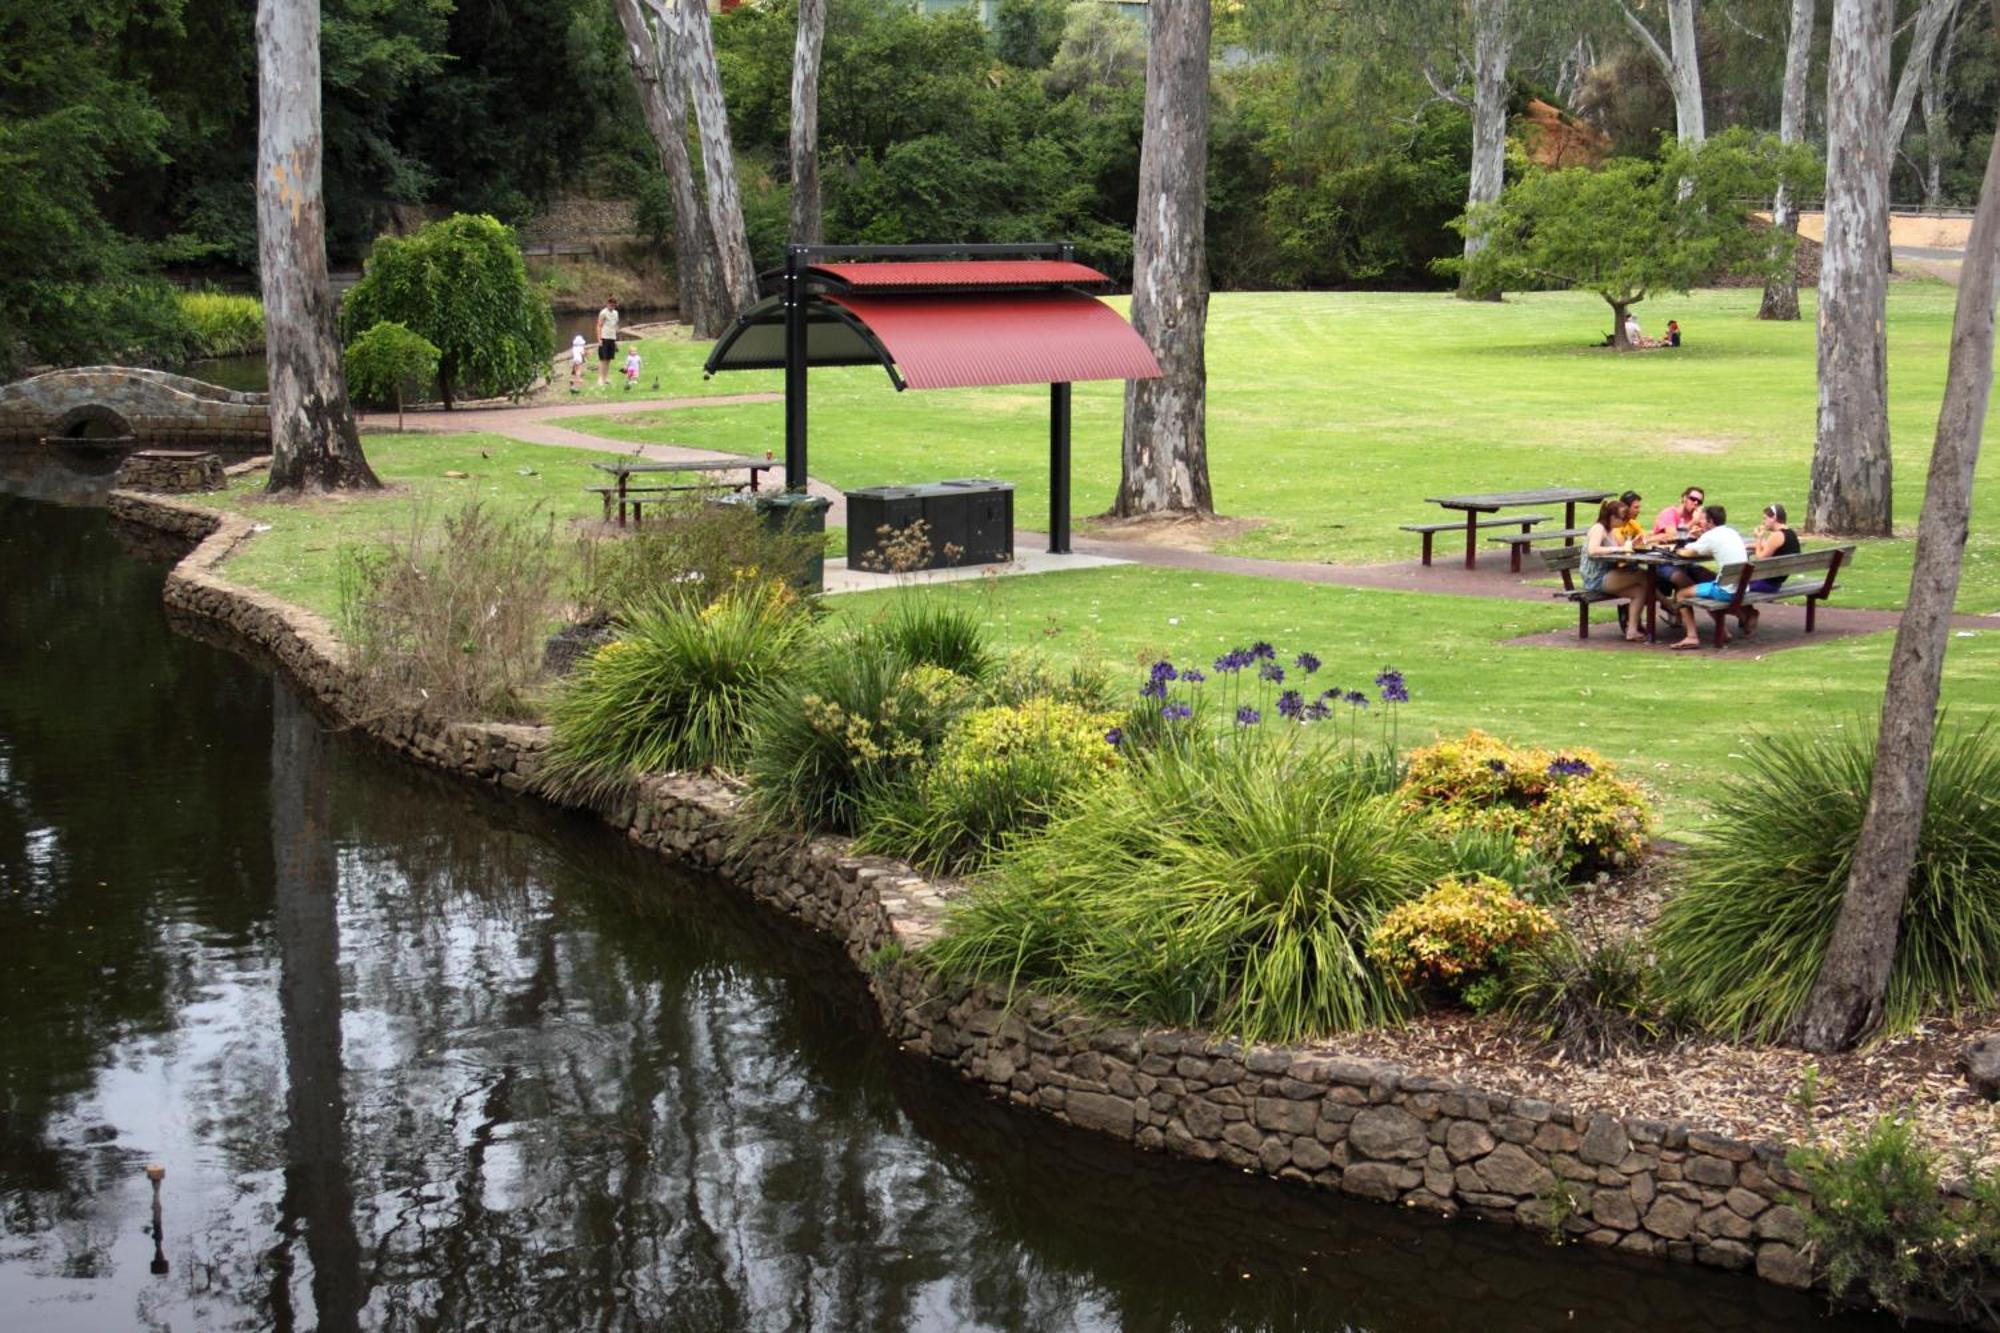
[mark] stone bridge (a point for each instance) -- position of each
(111, 409)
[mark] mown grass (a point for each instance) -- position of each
(1332, 415)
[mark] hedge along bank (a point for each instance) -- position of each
(1366, 1127)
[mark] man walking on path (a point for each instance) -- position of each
(607, 340)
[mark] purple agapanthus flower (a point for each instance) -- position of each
(1164, 670)
(1193, 676)
(1567, 767)
(1272, 672)
(1316, 711)
(1153, 689)
(1176, 713)
(1357, 698)
(1232, 661)
(1306, 662)
(1290, 704)
(1393, 689)
(1115, 736)
(1263, 652)
(1497, 765)
(1246, 716)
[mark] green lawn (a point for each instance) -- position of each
(1676, 719)
(1333, 414)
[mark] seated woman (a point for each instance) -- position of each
(1673, 338)
(1602, 547)
(1768, 540)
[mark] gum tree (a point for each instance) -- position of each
(684, 30)
(314, 443)
(806, 49)
(1781, 290)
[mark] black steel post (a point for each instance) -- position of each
(795, 368)
(1059, 469)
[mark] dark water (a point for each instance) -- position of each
(417, 1057)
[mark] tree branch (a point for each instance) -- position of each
(1645, 33)
(1444, 92)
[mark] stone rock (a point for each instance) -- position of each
(1284, 1116)
(1605, 1143)
(1310, 1155)
(1705, 1170)
(1744, 1203)
(1466, 1140)
(1381, 1181)
(1387, 1132)
(1204, 1118)
(1615, 1208)
(1731, 1254)
(1980, 1063)
(1781, 1223)
(1671, 1218)
(1509, 1170)
(1783, 1265)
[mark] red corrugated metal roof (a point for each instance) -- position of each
(961, 274)
(955, 342)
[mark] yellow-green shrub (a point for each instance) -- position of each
(1458, 932)
(1569, 807)
(1000, 769)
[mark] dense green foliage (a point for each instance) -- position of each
(1744, 937)
(461, 284)
(1882, 1230)
(387, 362)
(1457, 934)
(221, 324)
(673, 690)
(1230, 885)
(1589, 996)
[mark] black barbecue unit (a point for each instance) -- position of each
(972, 516)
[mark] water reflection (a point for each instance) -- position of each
(417, 1057)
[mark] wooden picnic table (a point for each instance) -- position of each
(1472, 506)
(625, 494)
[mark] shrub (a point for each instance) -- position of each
(1000, 770)
(926, 631)
(1501, 856)
(387, 362)
(461, 283)
(1569, 808)
(221, 324)
(854, 720)
(1744, 936)
(690, 552)
(673, 691)
(1458, 932)
(1590, 998)
(454, 611)
(1021, 676)
(1230, 886)
(1880, 1224)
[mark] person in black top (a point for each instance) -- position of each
(1771, 538)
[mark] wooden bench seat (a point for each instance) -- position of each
(1827, 562)
(1564, 560)
(636, 496)
(1431, 530)
(1518, 541)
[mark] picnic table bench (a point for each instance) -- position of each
(1430, 530)
(1735, 580)
(1472, 506)
(1565, 560)
(1519, 541)
(625, 495)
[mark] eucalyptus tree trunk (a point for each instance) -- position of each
(1166, 444)
(805, 122)
(1850, 492)
(663, 102)
(1936, 103)
(1781, 292)
(314, 444)
(1847, 997)
(1492, 48)
(1679, 61)
(685, 25)
(1931, 20)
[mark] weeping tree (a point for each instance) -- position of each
(663, 101)
(1781, 290)
(684, 30)
(1846, 1001)
(1850, 492)
(805, 122)
(314, 443)
(1165, 461)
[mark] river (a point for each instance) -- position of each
(415, 1056)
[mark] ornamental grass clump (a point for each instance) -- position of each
(855, 720)
(1000, 770)
(1588, 997)
(688, 552)
(1568, 808)
(1230, 886)
(1744, 936)
(1458, 934)
(673, 690)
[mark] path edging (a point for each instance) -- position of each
(1368, 1128)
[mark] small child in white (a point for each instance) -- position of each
(631, 371)
(576, 364)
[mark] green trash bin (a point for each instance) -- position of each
(792, 512)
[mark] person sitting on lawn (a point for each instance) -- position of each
(1601, 575)
(1673, 338)
(1711, 539)
(1634, 336)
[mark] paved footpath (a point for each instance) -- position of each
(540, 424)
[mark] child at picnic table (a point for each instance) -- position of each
(1601, 550)
(1712, 539)
(1630, 529)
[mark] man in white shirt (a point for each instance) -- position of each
(1715, 541)
(607, 339)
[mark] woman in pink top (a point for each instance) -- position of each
(1676, 517)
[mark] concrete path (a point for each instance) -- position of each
(1783, 623)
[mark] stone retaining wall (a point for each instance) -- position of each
(1364, 1127)
(156, 408)
(171, 471)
